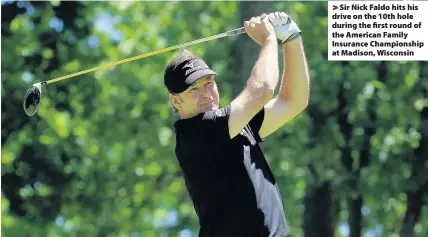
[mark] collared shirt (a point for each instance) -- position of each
(229, 181)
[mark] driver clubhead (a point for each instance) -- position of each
(32, 99)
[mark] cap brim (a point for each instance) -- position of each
(198, 74)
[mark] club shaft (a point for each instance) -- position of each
(225, 34)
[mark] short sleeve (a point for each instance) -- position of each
(256, 123)
(214, 125)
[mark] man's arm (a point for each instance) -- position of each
(261, 85)
(294, 91)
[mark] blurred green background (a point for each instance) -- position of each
(98, 158)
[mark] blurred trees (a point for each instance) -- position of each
(98, 159)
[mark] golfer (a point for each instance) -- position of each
(228, 179)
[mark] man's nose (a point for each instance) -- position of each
(207, 93)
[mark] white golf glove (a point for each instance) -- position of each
(286, 29)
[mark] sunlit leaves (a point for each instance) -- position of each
(112, 130)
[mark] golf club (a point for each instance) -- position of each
(34, 93)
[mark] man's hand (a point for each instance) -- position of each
(259, 29)
(285, 28)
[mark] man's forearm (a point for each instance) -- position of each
(295, 79)
(265, 71)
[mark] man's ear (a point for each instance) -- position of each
(175, 100)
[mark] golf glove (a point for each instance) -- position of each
(286, 29)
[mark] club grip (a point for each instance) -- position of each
(236, 31)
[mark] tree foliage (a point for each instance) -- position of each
(98, 158)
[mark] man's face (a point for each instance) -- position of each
(200, 97)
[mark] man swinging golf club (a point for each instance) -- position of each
(228, 179)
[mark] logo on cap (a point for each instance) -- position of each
(192, 67)
(190, 64)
